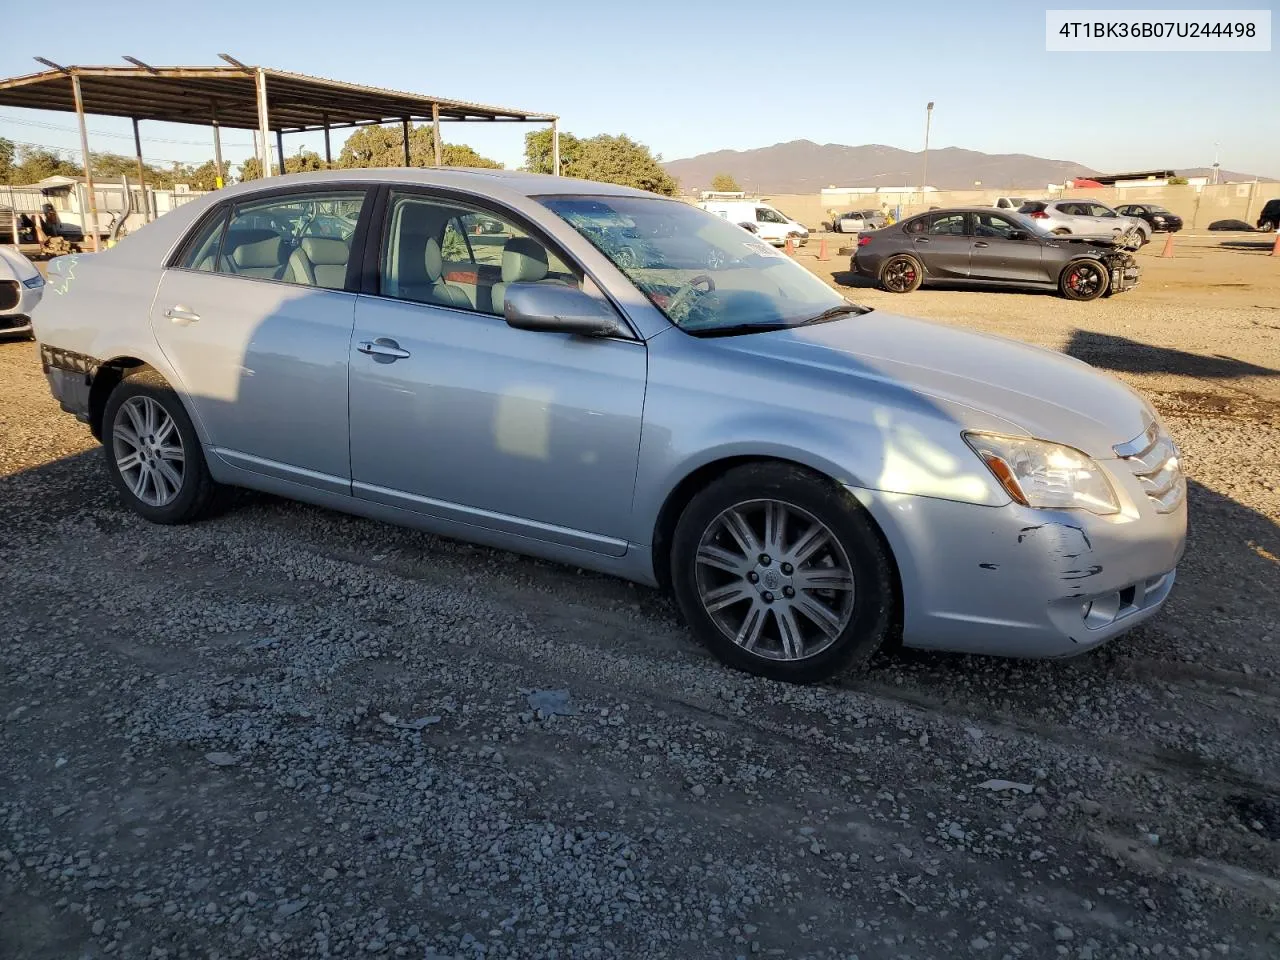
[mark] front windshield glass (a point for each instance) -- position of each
(704, 273)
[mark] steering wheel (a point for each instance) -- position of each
(688, 290)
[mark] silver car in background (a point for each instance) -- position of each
(1083, 218)
(806, 475)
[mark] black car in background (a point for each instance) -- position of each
(1157, 216)
(995, 248)
(1269, 219)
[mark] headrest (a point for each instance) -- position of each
(325, 251)
(434, 260)
(260, 253)
(523, 259)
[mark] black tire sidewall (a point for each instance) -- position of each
(1102, 291)
(196, 481)
(884, 268)
(843, 516)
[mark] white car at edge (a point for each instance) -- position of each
(21, 287)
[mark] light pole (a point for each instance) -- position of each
(924, 175)
(1215, 163)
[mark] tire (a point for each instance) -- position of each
(1266, 226)
(850, 620)
(1074, 287)
(901, 273)
(134, 402)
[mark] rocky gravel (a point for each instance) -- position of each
(286, 732)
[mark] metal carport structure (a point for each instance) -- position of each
(244, 97)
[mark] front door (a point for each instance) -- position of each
(256, 322)
(997, 256)
(457, 415)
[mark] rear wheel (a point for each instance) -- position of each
(1084, 280)
(782, 574)
(901, 273)
(153, 454)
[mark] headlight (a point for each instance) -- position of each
(1049, 475)
(34, 282)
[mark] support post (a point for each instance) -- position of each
(435, 126)
(280, 149)
(88, 166)
(555, 147)
(217, 149)
(404, 126)
(264, 125)
(142, 174)
(328, 152)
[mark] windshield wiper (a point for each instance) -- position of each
(734, 329)
(833, 313)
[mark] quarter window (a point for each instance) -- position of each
(202, 251)
(440, 253)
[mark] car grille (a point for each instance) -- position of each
(1153, 458)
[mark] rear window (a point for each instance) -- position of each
(1031, 206)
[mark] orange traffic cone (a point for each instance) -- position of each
(790, 247)
(1168, 245)
(822, 250)
(1275, 250)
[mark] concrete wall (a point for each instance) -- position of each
(1198, 206)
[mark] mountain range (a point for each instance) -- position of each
(802, 166)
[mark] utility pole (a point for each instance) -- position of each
(928, 121)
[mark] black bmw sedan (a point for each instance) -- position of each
(997, 248)
(1161, 220)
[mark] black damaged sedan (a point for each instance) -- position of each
(987, 247)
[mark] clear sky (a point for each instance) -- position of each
(690, 77)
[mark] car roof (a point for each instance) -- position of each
(495, 182)
(963, 210)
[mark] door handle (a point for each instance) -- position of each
(383, 350)
(981, 243)
(181, 315)
(922, 239)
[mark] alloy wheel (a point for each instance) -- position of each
(1084, 279)
(900, 275)
(775, 580)
(148, 451)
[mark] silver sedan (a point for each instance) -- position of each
(480, 359)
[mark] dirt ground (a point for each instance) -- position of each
(290, 733)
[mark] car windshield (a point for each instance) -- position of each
(704, 273)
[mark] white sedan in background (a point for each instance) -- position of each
(21, 287)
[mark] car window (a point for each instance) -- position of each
(298, 238)
(947, 225)
(766, 215)
(442, 253)
(993, 225)
(202, 249)
(1098, 210)
(918, 225)
(1031, 206)
(1003, 204)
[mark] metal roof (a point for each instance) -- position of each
(226, 94)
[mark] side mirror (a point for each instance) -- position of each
(1018, 235)
(558, 308)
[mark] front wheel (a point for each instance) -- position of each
(901, 273)
(1084, 280)
(153, 454)
(782, 573)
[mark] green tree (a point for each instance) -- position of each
(384, 147)
(205, 176)
(35, 164)
(724, 183)
(1177, 181)
(7, 155)
(605, 158)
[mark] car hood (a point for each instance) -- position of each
(977, 376)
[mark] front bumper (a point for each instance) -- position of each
(1020, 582)
(1125, 276)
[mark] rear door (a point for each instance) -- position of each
(944, 245)
(255, 317)
(997, 256)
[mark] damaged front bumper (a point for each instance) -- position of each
(1125, 272)
(1021, 582)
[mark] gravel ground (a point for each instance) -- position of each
(290, 733)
